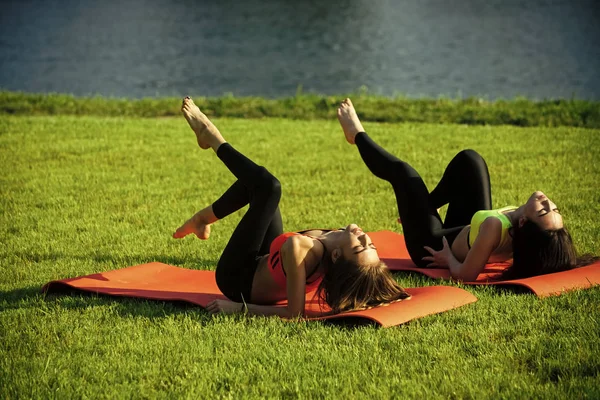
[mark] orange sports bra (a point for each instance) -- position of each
(276, 266)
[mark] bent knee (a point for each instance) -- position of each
(471, 155)
(225, 279)
(268, 183)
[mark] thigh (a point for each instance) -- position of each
(465, 187)
(275, 229)
(238, 262)
(234, 198)
(421, 224)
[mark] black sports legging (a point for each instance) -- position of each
(465, 187)
(257, 228)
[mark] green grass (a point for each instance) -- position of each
(472, 111)
(81, 195)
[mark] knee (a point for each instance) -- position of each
(269, 184)
(223, 277)
(401, 170)
(472, 159)
(470, 155)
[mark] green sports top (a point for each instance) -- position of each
(481, 216)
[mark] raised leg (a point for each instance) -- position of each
(465, 187)
(238, 262)
(254, 186)
(236, 197)
(421, 222)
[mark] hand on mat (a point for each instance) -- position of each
(439, 258)
(223, 306)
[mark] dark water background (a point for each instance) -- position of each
(139, 48)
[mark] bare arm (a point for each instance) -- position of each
(294, 254)
(232, 307)
(487, 240)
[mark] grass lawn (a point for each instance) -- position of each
(81, 195)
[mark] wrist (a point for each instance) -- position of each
(453, 263)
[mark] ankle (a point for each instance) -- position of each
(206, 216)
(216, 142)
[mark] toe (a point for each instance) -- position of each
(179, 233)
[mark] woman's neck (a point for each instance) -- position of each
(328, 240)
(515, 215)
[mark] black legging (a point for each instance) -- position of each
(257, 228)
(465, 187)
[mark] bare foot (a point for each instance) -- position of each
(205, 131)
(196, 225)
(349, 120)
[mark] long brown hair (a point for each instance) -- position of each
(348, 286)
(537, 251)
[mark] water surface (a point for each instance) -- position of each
(139, 48)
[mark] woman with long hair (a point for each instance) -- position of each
(261, 265)
(472, 234)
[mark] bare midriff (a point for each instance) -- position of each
(460, 248)
(264, 288)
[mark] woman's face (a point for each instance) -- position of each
(540, 210)
(357, 246)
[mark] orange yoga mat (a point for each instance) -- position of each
(166, 282)
(392, 250)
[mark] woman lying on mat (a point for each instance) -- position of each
(261, 265)
(472, 234)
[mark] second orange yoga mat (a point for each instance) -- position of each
(392, 250)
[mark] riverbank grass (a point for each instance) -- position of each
(83, 195)
(470, 111)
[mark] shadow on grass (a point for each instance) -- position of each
(158, 309)
(127, 306)
(112, 259)
(414, 279)
(73, 299)
(33, 298)
(13, 299)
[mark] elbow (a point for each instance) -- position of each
(465, 276)
(293, 314)
(466, 272)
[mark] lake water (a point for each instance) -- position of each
(140, 48)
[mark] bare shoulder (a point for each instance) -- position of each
(491, 224)
(300, 251)
(491, 229)
(298, 243)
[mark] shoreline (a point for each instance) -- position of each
(469, 111)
